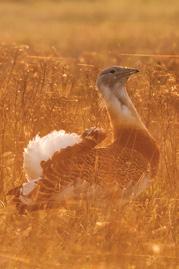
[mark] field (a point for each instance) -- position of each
(50, 55)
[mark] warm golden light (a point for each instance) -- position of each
(51, 54)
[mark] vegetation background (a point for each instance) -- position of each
(50, 54)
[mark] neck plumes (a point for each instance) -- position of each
(129, 130)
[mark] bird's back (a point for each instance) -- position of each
(113, 165)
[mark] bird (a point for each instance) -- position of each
(60, 164)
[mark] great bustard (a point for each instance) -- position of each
(60, 164)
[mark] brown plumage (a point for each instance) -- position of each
(104, 165)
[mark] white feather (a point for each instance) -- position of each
(29, 186)
(42, 148)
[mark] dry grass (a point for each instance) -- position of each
(42, 94)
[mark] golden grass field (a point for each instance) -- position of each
(50, 54)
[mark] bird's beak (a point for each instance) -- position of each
(130, 71)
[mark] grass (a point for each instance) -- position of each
(73, 40)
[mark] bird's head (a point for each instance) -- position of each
(111, 76)
(111, 84)
(114, 78)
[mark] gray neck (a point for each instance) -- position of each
(122, 112)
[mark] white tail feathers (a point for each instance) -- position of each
(42, 148)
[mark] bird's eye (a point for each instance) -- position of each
(112, 71)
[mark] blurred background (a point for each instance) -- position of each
(73, 26)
